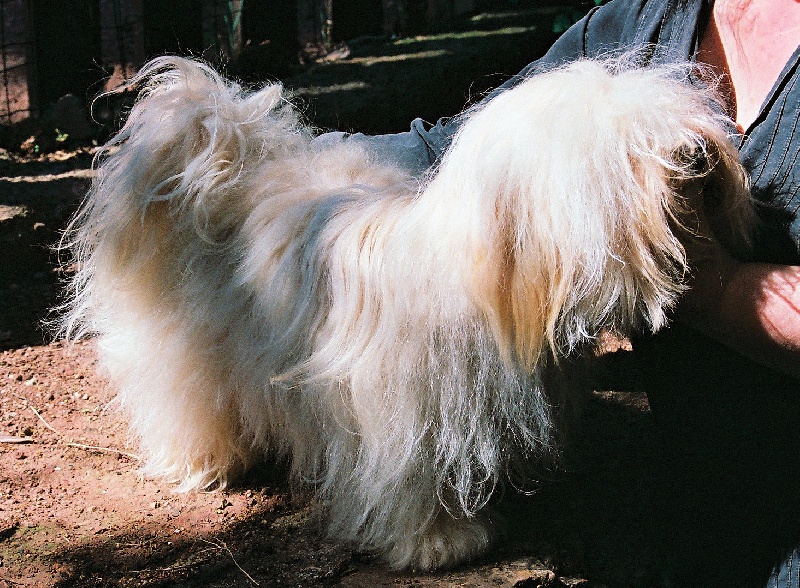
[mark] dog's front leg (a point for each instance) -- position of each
(446, 542)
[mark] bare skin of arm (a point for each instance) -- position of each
(753, 308)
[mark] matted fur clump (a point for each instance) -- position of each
(400, 340)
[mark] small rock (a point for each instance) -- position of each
(538, 579)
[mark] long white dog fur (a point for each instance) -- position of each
(405, 342)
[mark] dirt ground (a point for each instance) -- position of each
(74, 510)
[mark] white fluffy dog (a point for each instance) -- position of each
(405, 342)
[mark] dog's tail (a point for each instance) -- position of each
(171, 174)
(152, 253)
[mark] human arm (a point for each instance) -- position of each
(753, 308)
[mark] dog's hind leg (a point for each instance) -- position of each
(153, 245)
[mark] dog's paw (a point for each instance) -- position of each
(446, 543)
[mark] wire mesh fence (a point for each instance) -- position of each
(15, 101)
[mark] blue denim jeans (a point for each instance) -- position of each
(787, 574)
